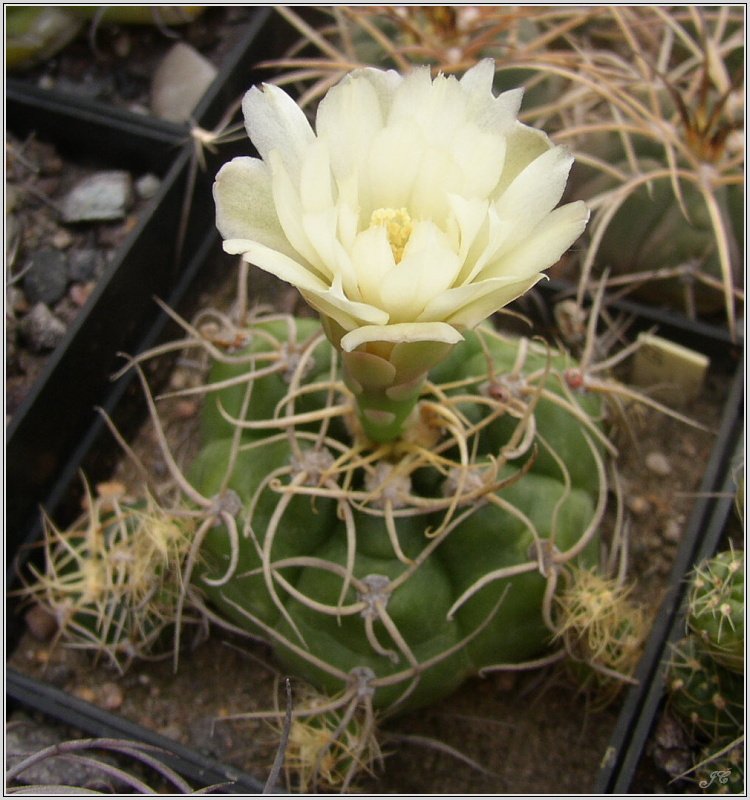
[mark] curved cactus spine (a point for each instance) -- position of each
(716, 608)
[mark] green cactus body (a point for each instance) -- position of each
(401, 570)
(716, 608)
(255, 349)
(708, 696)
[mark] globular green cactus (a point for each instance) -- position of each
(708, 696)
(716, 608)
(394, 571)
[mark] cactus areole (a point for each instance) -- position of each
(411, 482)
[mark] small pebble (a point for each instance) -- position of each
(16, 300)
(658, 464)
(186, 409)
(41, 329)
(45, 278)
(80, 292)
(111, 697)
(171, 731)
(41, 624)
(85, 693)
(180, 81)
(61, 239)
(638, 505)
(85, 264)
(672, 531)
(147, 186)
(103, 196)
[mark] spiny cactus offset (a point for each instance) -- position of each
(603, 631)
(716, 608)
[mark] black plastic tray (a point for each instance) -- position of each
(51, 431)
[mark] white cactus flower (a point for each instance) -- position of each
(414, 210)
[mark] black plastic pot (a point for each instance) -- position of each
(57, 433)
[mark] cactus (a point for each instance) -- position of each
(113, 581)
(716, 608)
(708, 696)
(705, 674)
(602, 629)
(397, 572)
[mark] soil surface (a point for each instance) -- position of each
(525, 732)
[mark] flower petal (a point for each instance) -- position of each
(275, 122)
(468, 305)
(245, 208)
(523, 145)
(372, 258)
(352, 113)
(289, 208)
(535, 191)
(545, 244)
(428, 268)
(401, 332)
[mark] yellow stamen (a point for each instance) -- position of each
(398, 227)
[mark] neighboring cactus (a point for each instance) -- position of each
(708, 696)
(716, 608)
(113, 582)
(705, 673)
(37, 33)
(324, 748)
(602, 629)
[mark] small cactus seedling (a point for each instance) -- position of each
(602, 630)
(716, 608)
(113, 582)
